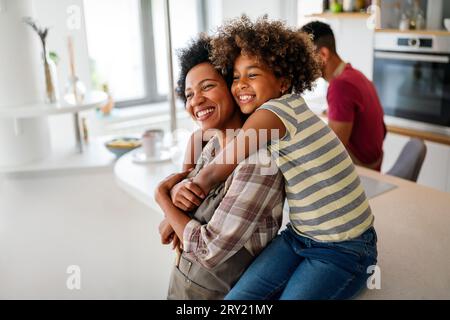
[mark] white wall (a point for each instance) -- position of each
(19, 56)
(54, 13)
(21, 75)
(48, 13)
(57, 15)
(222, 10)
(253, 8)
(354, 42)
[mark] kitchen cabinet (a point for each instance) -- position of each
(435, 171)
(436, 167)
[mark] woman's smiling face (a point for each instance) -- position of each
(208, 100)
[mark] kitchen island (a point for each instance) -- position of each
(412, 222)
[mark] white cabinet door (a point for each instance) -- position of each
(435, 171)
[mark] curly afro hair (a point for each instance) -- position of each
(198, 51)
(287, 52)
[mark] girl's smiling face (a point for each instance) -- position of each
(254, 84)
(208, 99)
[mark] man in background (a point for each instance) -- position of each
(354, 110)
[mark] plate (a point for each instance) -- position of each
(139, 156)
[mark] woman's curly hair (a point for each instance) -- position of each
(287, 52)
(197, 51)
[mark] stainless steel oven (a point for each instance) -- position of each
(412, 76)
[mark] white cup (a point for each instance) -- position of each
(447, 24)
(152, 142)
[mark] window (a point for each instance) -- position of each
(127, 45)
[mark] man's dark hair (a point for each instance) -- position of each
(322, 35)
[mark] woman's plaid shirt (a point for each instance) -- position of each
(250, 214)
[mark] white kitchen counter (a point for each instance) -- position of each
(140, 180)
(412, 222)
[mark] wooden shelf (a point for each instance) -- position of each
(402, 127)
(341, 15)
(421, 32)
(429, 136)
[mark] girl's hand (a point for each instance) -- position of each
(163, 189)
(186, 195)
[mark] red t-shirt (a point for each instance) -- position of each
(353, 98)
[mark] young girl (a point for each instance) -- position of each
(330, 241)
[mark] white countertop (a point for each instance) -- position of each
(92, 100)
(140, 180)
(412, 222)
(65, 160)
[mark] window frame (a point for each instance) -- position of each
(148, 54)
(149, 60)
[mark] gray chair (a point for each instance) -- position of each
(410, 160)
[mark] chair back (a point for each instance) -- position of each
(410, 160)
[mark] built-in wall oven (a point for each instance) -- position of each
(412, 76)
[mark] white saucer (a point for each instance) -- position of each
(139, 156)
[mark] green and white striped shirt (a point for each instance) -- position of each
(326, 199)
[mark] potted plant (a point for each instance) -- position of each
(49, 65)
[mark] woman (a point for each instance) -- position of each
(238, 218)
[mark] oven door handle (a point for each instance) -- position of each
(412, 57)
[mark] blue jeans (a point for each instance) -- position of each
(293, 267)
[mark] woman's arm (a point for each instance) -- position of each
(185, 195)
(257, 131)
(251, 209)
(176, 218)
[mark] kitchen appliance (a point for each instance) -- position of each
(412, 75)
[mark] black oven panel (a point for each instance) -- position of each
(412, 76)
(415, 42)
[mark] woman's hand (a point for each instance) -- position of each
(186, 195)
(168, 235)
(177, 218)
(166, 231)
(176, 244)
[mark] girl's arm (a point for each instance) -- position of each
(247, 142)
(186, 195)
(181, 195)
(193, 150)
